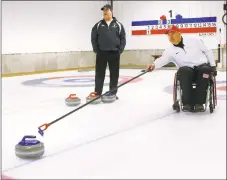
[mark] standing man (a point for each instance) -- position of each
(195, 62)
(108, 42)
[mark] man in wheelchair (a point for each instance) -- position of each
(195, 64)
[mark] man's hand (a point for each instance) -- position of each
(150, 67)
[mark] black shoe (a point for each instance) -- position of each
(199, 107)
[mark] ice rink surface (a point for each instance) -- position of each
(138, 136)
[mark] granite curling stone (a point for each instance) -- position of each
(29, 149)
(108, 98)
(93, 96)
(72, 100)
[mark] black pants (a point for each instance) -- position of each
(198, 75)
(113, 60)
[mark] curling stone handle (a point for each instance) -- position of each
(93, 94)
(25, 137)
(72, 95)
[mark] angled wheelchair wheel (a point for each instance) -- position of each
(211, 109)
(176, 106)
(214, 92)
(224, 19)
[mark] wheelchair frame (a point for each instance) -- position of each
(211, 96)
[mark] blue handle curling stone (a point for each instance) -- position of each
(29, 147)
(25, 142)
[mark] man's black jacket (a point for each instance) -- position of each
(108, 38)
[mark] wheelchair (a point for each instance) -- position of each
(211, 96)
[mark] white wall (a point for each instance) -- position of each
(59, 26)
(48, 26)
(128, 11)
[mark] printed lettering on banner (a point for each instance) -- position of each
(203, 26)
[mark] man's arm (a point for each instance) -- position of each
(207, 52)
(161, 61)
(122, 38)
(94, 38)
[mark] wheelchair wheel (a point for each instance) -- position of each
(211, 109)
(176, 106)
(224, 17)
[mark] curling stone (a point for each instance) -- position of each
(72, 100)
(92, 96)
(108, 98)
(29, 149)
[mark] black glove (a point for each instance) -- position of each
(214, 70)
